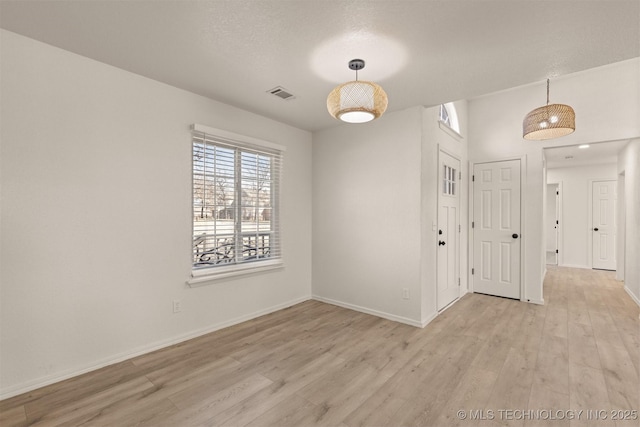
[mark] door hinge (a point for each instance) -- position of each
(460, 176)
(556, 251)
(458, 281)
(473, 271)
(459, 228)
(557, 222)
(557, 193)
(473, 224)
(473, 178)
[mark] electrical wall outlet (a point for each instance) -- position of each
(405, 293)
(177, 306)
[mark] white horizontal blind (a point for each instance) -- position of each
(236, 189)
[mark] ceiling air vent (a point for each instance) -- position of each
(281, 92)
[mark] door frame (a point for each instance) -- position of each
(559, 230)
(523, 197)
(590, 218)
(458, 234)
(621, 225)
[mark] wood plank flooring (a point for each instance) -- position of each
(315, 364)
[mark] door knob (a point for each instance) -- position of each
(441, 243)
(595, 229)
(514, 235)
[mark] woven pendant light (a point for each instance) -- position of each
(357, 101)
(550, 121)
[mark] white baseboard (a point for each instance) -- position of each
(377, 313)
(534, 301)
(428, 320)
(139, 351)
(432, 316)
(633, 297)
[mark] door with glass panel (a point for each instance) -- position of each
(448, 238)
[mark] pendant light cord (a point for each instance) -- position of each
(547, 91)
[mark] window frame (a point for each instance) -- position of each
(200, 275)
(450, 124)
(449, 181)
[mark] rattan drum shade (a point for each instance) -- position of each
(550, 121)
(357, 102)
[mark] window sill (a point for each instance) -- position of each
(449, 130)
(204, 276)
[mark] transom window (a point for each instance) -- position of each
(449, 117)
(444, 115)
(235, 201)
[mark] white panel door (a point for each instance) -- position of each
(496, 228)
(448, 230)
(603, 225)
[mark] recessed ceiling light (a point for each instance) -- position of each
(568, 157)
(583, 146)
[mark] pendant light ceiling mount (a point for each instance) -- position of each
(549, 121)
(357, 101)
(356, 64)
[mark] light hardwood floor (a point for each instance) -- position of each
(317, 364)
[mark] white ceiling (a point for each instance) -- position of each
(573, 155)
(421, 52)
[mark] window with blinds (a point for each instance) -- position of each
(236, 187)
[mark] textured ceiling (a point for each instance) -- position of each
(421, 52)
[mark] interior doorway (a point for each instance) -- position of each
(576, 168)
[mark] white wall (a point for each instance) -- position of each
(366, 215)
(629, 163)
(96, 219)
(375, 205)
(607, 108)
(575, 228)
